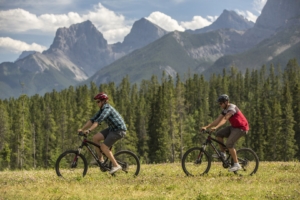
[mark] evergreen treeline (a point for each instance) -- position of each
(163, 117)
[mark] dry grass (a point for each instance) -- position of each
(274, 180)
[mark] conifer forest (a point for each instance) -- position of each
(163, 116)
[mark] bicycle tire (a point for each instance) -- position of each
(192, 165)
(248, 160)
(129, 162)
(71, 165)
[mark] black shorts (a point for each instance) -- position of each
(111, 137)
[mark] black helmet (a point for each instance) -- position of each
(222, 98)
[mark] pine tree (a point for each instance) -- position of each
(4, 135)
(289, 147)
(51, 150)
(293, 76)
(21, 128)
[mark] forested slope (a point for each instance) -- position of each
(163, 116)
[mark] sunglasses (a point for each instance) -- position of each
(221, 103)
(98, 101)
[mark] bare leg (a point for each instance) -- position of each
(109, 154)
(232, 152)
(96, 139)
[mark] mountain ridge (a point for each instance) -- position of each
(75, 58)
(76, 53)
(228, 19)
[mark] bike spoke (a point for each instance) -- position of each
(195, 162)
(129, 162)
(248, 161)
(71, 166)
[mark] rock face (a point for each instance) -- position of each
(83, 45)
(76, 53)
(143, 32)
(217, 46)
(25, 54)
(229, 20)
(82, 48)
(275, 15)
(275, 39)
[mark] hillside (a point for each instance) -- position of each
(177, 52)
(276, 50)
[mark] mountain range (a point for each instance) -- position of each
(80, 54)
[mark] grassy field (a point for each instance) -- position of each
(274, 180)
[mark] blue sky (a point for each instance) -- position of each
(32, 24)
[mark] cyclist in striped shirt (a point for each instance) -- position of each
(115, 131)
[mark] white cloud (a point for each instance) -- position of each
(198, 22)
(248, 15)
(164, 21)
(16, 46)
(114, 27)
(258, 5)
(111, 25)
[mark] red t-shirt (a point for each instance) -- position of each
(237, 120)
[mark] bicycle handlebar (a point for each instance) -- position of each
(207, 131)
(82, 134)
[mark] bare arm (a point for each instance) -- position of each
(220, 121)
(89, 125)
(214, 123)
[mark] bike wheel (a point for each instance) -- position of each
(71, 165)
(129, 162)
(195, 162)
(248, 160)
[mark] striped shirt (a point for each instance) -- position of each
(108, 114)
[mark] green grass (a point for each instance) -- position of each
(274, 180)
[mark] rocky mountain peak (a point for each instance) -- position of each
(228, 19)
(25, 54)
(82, 35)
(143, 32)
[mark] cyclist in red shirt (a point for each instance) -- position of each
(239, 127)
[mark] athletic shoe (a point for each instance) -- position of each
(235, 168)
(114, 169)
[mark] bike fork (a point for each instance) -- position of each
(74, 163)
(202, 152)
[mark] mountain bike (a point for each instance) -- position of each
(73, 164)
(197, 161)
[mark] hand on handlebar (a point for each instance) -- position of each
(212, 129)
(204, 129)
(81, 133)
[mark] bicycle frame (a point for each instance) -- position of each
(209, 141)
(85, 143)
